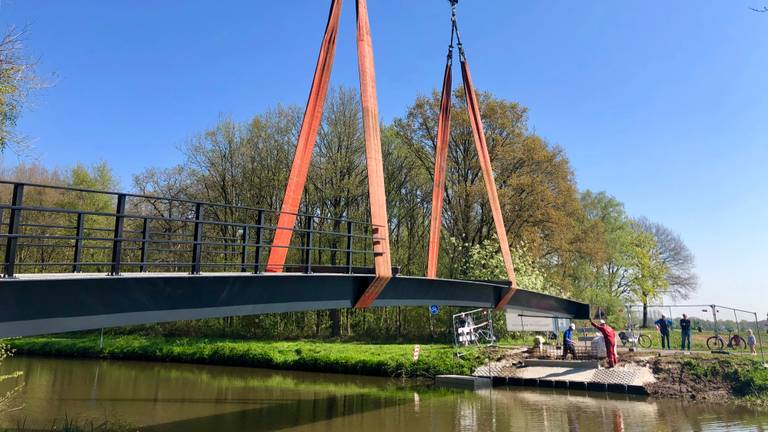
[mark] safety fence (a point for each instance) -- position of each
(712, 328)
(56, 229)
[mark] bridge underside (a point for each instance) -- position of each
(40, 304)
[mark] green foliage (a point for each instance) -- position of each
(351, 358)
(97, 177)
(748, 378)
(17, 80)
(486, 263)
(631, 268)
(534, 179)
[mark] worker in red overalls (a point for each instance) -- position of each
(609, 335)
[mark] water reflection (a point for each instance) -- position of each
(175, 397)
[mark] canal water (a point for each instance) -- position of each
(178, 397)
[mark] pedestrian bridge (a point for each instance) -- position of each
(77, 259)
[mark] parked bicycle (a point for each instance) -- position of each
(629, 337)
(717, 342)
(484, 337)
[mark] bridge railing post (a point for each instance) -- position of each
(259, 237)
(308, 250)
(197, 246)
(349, 247)
(144, 245)
(244, 251)
(14, 229)
(78, 255)
(117, 239)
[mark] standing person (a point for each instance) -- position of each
(609, 335)
(751, 341)
(685, 332)
(663, 327)
(568, 346)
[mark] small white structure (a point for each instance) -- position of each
(598, 347)
(473, 327)
(520, 320)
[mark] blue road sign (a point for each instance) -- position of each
(434, 309)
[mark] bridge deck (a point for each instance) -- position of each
(50, 303)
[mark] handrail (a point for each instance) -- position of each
(74, 240)
(178, 200)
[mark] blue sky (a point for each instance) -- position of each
(664, 104)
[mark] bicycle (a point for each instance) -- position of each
(717, 343)
(642, 340)
(485, 337)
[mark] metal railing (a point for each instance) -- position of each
(56, 229)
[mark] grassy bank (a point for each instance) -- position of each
(352, 358)
(710, 377)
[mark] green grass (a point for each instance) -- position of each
(351, 358)
(746, 376)
(698, 340)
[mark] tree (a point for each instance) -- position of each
(485, 263)
(337, 179)
(17, 80)
(59, 226)
(650, 281)
(632, 267)
(679, 261)
(535, 181)
(96, 177)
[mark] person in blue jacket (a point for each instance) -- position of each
(568, 345)
(662, 325)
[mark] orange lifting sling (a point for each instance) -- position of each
(308, 135)
(441, 158)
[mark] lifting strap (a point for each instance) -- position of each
(484, 158)
(374, 162)
(313, 114)
(441, 165)
(382, 259)
(490, 184)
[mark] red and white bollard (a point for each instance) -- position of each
(416, 350)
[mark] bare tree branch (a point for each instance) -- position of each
(679, 260)
(17, 80)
